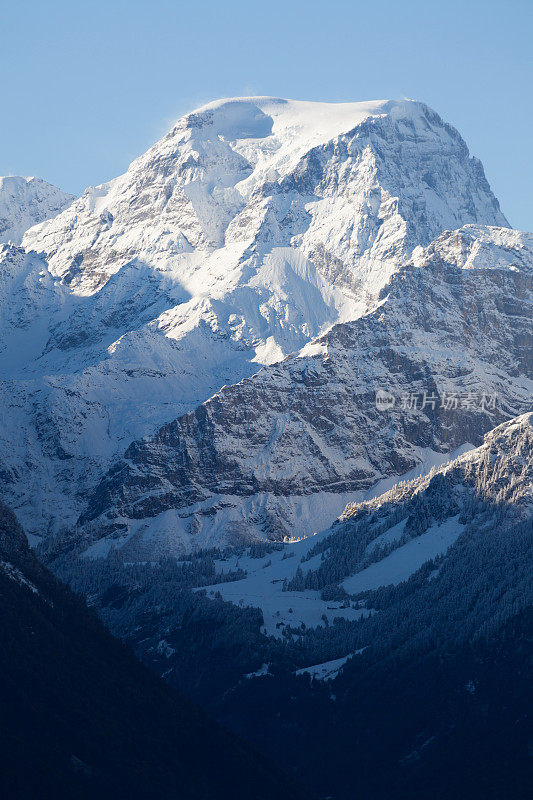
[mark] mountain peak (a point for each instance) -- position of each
(273, 133)
(26, 201)
(357, 185)
(258, 117)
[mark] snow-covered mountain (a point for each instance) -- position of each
(242, 235)
(266, 403)
(351, 187)
(278, 454)
(24, 202)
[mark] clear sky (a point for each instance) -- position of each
(87, 86)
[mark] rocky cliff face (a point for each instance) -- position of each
(246, 232)
(449, 343)
(25, 202)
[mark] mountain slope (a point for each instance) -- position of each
(435, 685)
(81, 717)
(249, 229)
(379, 542)
(386, 539)
(398, 646)
(275, 454)
(25, 202)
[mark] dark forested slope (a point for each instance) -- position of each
(80, 717)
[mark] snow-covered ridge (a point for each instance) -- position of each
(480, 247)
(24, 202)
(421, 519)
(500, 470)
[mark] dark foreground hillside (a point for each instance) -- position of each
(81, 718)
(439, 703)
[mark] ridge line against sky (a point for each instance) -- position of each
(88, 89)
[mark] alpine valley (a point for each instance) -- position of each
(267, 404)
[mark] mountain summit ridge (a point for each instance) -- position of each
(220, 165)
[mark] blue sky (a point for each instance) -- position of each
(88, 86)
